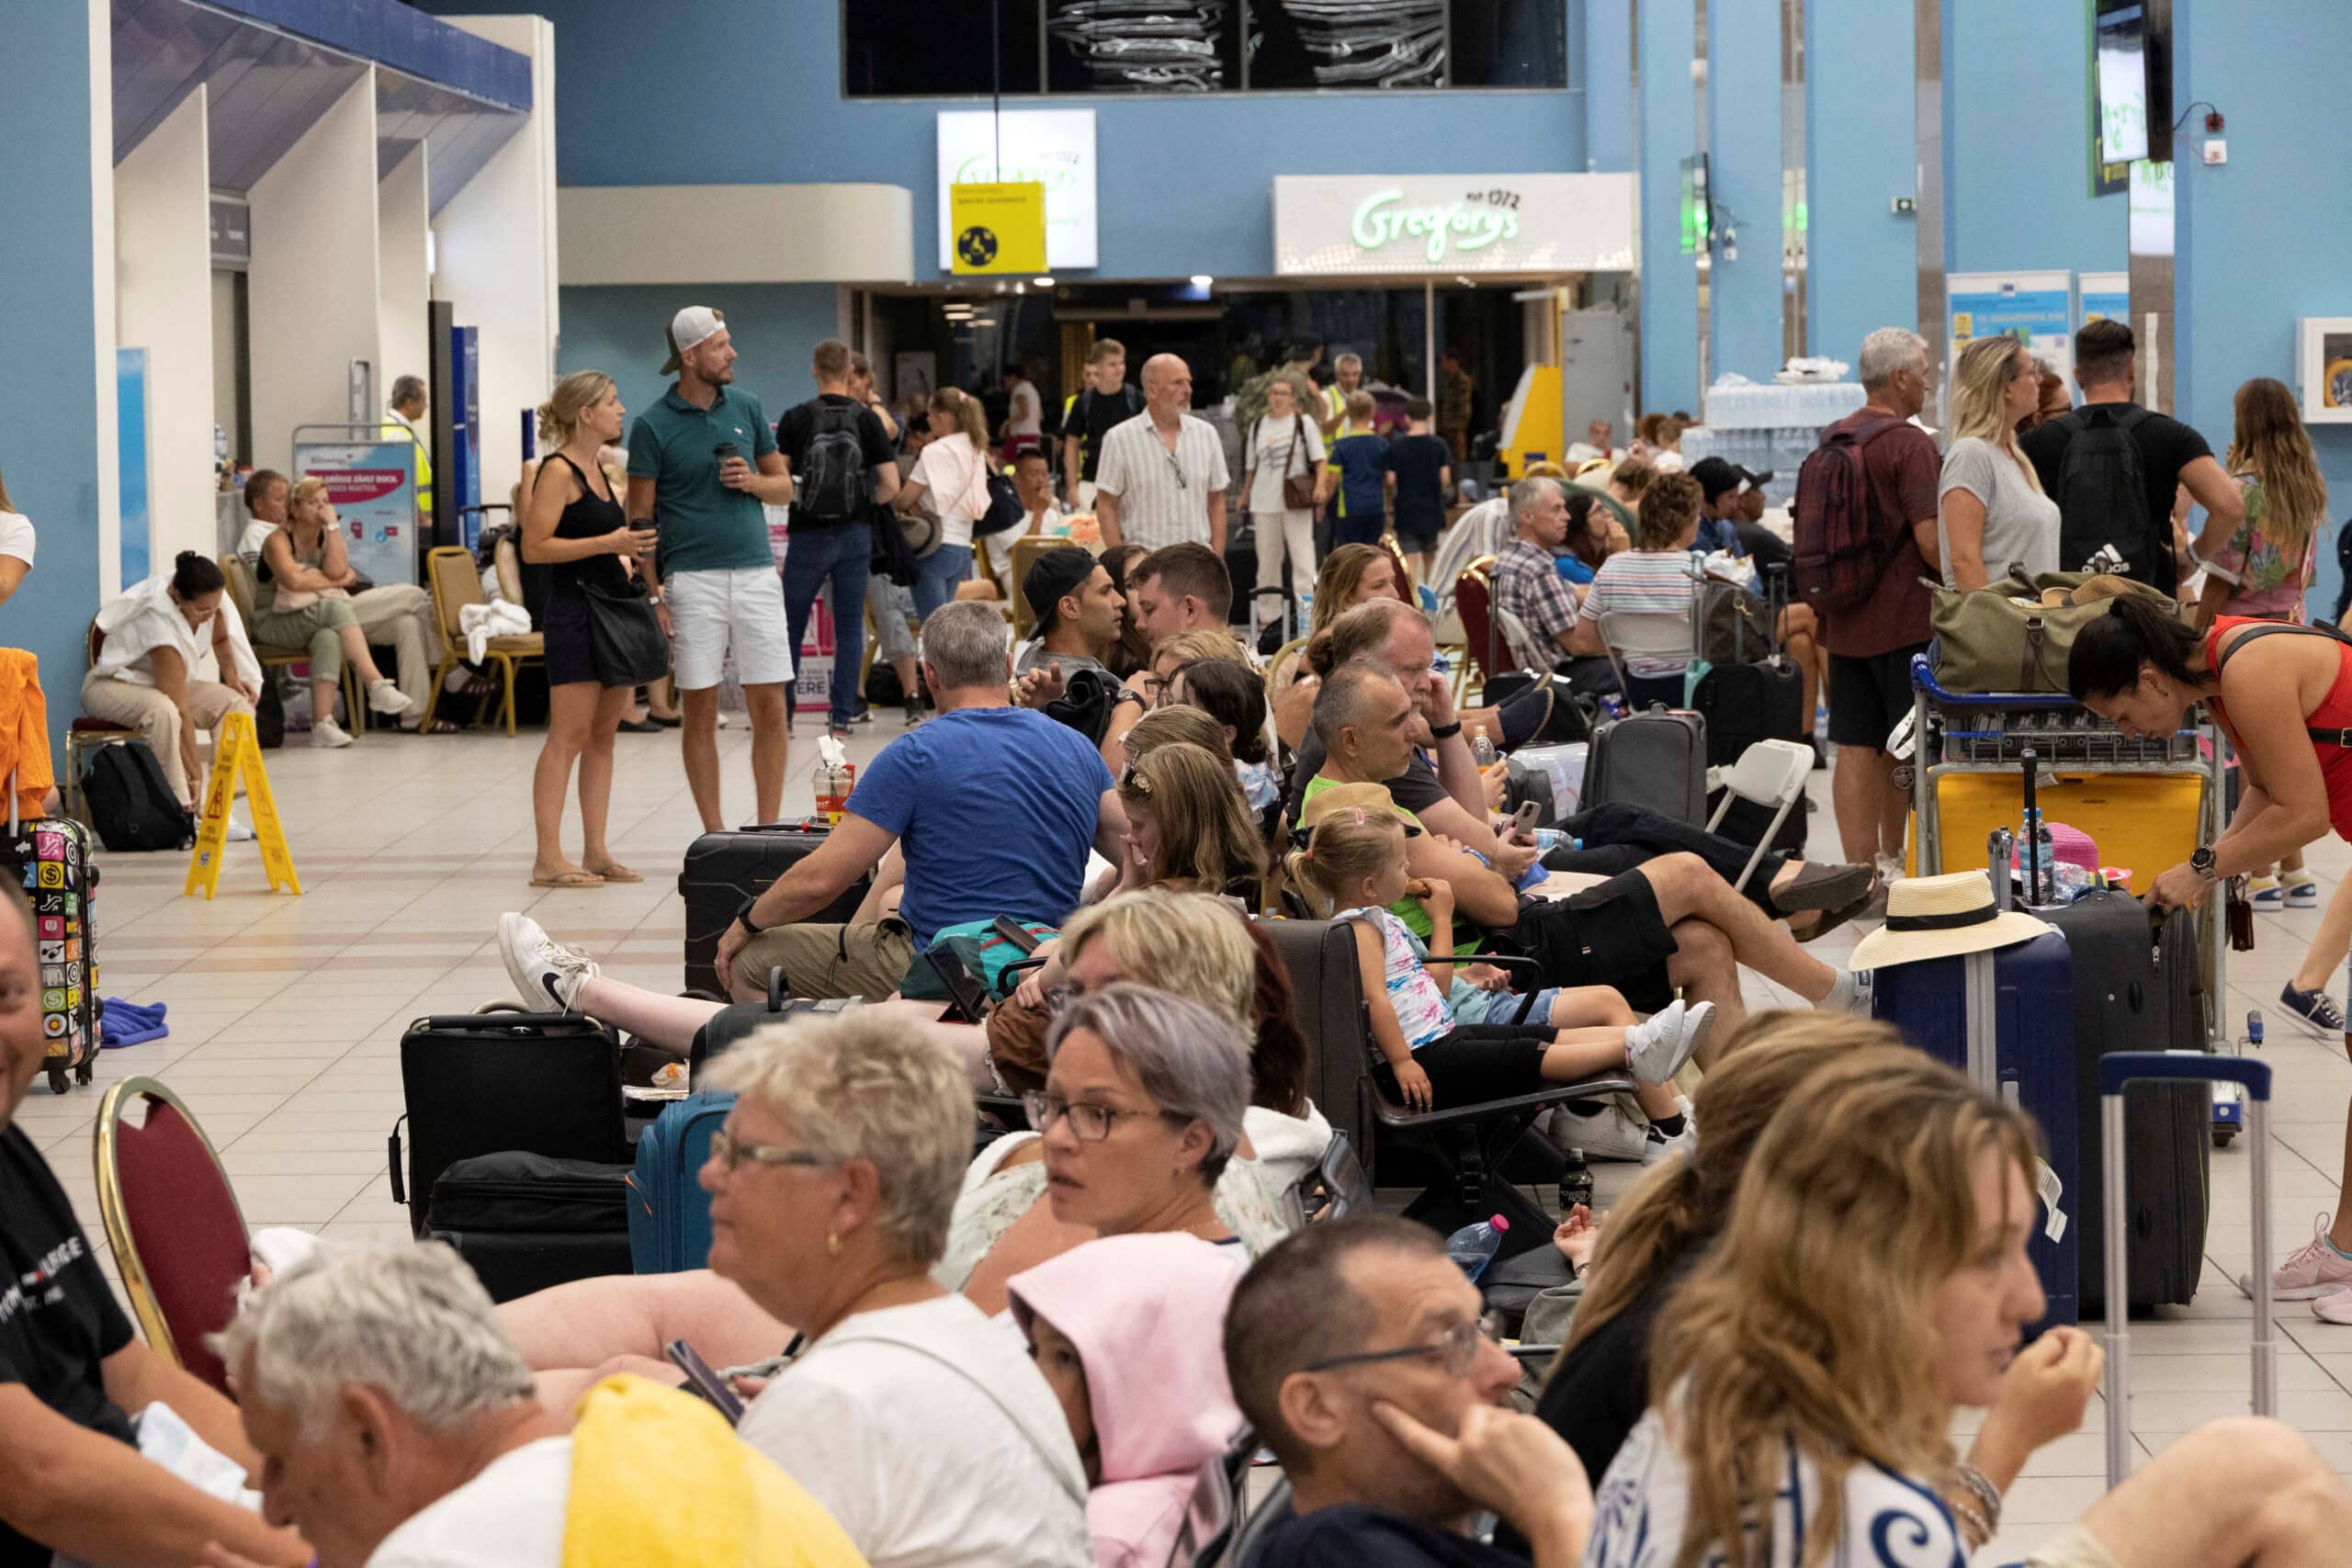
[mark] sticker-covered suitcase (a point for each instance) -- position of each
(54, 854)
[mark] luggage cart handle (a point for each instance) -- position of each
(2130, 1067)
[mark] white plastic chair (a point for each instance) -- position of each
(1771, 773)
(1643, 633)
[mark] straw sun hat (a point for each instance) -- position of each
(1941, 916)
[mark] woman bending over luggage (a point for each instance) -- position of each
(145, 673)
(1872, 1281)
(303, 599)
(2283, 696)
(1353, 868)
(575, 527)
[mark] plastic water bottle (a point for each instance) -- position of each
(1484, 750)
(1474, 1245)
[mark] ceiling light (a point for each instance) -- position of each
(1202, 280)
(1042, 282)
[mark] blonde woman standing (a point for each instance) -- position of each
(575, 526)
(1991, 514)
(953, 475)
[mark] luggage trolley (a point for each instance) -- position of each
(1966, 746)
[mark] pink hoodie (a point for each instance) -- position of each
(1146, 1313)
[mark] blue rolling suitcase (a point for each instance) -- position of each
(669, 1213)
(2005, 1019)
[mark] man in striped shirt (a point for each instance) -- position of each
(1163, 477)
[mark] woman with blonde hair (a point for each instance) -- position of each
(952, 478)
(1351, 575)
(302, 599)
(1189, 828)
(576, 527)
(1991, 514)
(1871, 1282)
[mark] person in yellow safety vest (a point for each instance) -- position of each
(1347, 375)
(405, 418)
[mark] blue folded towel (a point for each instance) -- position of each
(131, 1023)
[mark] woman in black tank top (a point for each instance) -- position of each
(574, 525)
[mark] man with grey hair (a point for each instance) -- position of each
(1163, 476)
(982, 757)
(1872, 634)
(396, 1422)
(1347, 375)
(1528, 585)
(404, 418)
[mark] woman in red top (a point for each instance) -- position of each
(2283, 694)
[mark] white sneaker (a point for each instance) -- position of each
(1611, 1132)
(542, 968)
(1657, 1047)
(239, 833)
(385, 697)
(1661, 1148)
(326, 732)
(2311, 1271)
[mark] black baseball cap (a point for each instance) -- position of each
(1052, 577)
(1716, 475)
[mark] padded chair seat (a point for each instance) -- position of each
(519, 644)
(85, 725)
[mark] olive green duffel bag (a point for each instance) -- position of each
(2002, 637)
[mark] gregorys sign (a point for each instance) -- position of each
(1436, 224)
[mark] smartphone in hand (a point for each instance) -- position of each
(702, 1380)
(1522, 821)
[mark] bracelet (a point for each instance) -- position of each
(1985, 1493)
(1974, 1527)
(1445, 732)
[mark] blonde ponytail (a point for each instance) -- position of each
(573, 396)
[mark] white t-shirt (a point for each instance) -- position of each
(1048, 524)
(1267, 452)
(958, 479)
(141, 621)
(510, 1516)
(1641, 1508)
(17, 536)
(2020, 522)
(951, 1455)
(1024, 410)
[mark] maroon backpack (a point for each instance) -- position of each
(1841, 552)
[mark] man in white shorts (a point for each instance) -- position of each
(702, 461)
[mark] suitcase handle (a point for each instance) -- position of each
(2131, 1066)
(392, 1162)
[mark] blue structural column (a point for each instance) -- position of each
(1744, 152)
(1668, 121)
(2236, 295)
(1861, 258)
(56, 417)
(2017, 186)
(1608, 86)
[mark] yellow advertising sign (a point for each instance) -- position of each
(999, 228)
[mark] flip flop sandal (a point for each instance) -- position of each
(438, 727)
(1823, 886)
(614, 874)
(1832, 918)
(570, 879)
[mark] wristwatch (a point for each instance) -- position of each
(2200, 861)
(1445, 731)
(743, 916)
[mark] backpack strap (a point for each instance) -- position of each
(2342, 736)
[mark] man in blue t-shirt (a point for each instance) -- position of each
(992, 806)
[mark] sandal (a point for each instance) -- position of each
(569, 879)
(438, 727)
(614, 872)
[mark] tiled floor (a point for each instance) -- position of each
(287, 1013)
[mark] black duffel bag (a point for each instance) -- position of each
(525, 1222)
(625, 647)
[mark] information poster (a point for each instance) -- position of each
(373, 487)
(2107, 296)
(2036, 308)
(998, 228)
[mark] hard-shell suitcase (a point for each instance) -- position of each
(1751, 692)
(669, 1213)
(490, 1083)
(2192, 1073)
(1657, 758)
(2121, 1004)
(53, 857)
(525, 1222)
(725, 868)
(2003, 1018)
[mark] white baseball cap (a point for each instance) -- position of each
(694, 325)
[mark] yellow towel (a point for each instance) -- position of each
(658, 1477)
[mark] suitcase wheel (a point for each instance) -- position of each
(85, 1073)
(57, 1081)
(2223, 1135)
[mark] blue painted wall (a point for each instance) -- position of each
(48, 444)
(1605, 70)
(2237, 298)
(750, 93)
(1861, 260)
(774, 328)
(1744, 158)
(1668, 119)
(2016, 158)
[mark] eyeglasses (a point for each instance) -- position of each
(731, 1152)
(1455, 1351)
(1088, 1123)
(1174, 466)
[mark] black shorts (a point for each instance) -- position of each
(1414, 544)
(1869, 696)
(563, 626)
(1478, 1061)
(1614, 934)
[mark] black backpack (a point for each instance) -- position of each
(1088, 699)
(833, 485)
(130, 803)
(1004, 508)
(2102, 492)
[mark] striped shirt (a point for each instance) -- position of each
(1649, 582)
(1163, 496)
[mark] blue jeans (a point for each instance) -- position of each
(842, 555)
(936, 575)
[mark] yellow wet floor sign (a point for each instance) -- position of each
(237, 751)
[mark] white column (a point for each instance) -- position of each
(163, 253)
(404, 282)
(312, 293)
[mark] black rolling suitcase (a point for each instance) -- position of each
(493, 1083)
(1749, 693)
(1658, 759)
(2122, 1002)
(725, 868)
(525, 1222)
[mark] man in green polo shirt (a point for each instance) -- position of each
(702, 462)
